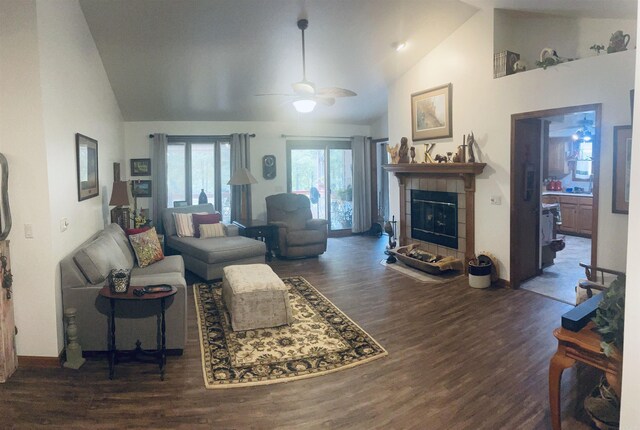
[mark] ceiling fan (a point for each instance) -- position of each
(305, 95)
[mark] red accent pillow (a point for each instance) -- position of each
(204, 219)
(131, 231)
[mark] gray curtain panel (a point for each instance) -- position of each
(240, 143)
(159, 178)
(361, 153)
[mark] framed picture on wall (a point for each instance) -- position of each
(87, 167)
(141, 188)
(621, 168)
(140, 167)
(431, 113)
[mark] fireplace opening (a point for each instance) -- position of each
(434, 217)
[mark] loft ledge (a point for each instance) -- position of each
(436, 168)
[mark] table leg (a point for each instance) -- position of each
(163, 348)
(112, 345)
(559, 362)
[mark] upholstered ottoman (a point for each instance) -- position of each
(255, 297)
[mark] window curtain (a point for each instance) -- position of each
(159, 178)
(240, 143)
(361, 154)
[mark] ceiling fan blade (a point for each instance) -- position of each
(335, 92)
(304, 87)
(327, 101)
(275, 94)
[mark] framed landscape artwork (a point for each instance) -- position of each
(621, 168)
(87, 166)
(431, 113)
(141, 188)
(140, 167)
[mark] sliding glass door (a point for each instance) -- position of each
(323, 172)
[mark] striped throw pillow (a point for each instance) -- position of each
(212, 230)
(184, 224)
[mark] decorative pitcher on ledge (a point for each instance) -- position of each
(618, 42)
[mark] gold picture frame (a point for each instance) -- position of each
(87, 167)
(621, 168)
(431, 113)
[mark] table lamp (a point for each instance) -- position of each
(242, 177)
(120, 197)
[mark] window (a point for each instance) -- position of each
(196, 164)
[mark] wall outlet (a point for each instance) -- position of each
(64, 224)
(28, 231)
(496, 200)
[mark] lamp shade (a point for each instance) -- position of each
(119, 194)
(242, 176)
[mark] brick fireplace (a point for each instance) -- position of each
(431, 182)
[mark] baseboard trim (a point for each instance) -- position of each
(502, 283)
(39, 362)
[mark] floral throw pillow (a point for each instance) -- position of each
(147, 247)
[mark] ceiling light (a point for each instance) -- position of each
(304, 105)
(399, 46)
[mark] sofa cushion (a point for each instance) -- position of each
(170, 271)
(199, 219)
(218, 250)
(118, 234)
(305, 237)
(147, 247)
(211, 230)
(96, 259)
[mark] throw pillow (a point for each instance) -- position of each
(147, 247)
(184, 224)
(204, 219)
(212, 230)
(131, 231)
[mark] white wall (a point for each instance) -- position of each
(380, 128)
(630, 413)
(268, 140)
(53, 56)
(484, 105)
(528, 33)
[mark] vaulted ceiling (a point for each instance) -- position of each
(190, 60)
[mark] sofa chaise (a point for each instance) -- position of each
(207, 257)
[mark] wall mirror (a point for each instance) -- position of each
(87, 159)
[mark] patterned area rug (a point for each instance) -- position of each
(320, 340)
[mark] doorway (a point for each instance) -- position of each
(554, 198)
(323, 172)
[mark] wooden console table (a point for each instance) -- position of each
(582, 346)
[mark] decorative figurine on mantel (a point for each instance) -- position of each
(403, 153)
(428, 147)
(412, 151)
(393, 153)
(471, 140)
(441, 158)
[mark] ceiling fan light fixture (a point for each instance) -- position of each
(399, 46)
(304, 105)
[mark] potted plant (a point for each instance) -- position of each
(603, 405)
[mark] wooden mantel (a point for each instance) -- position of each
(467, 171)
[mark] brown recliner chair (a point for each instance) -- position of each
(299, 235)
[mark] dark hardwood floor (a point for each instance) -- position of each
(459, 358)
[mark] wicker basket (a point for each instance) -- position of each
(430, 263)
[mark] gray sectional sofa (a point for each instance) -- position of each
(85, 271)
(207, 257)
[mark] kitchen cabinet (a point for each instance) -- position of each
(576, 212)
(557, 165)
